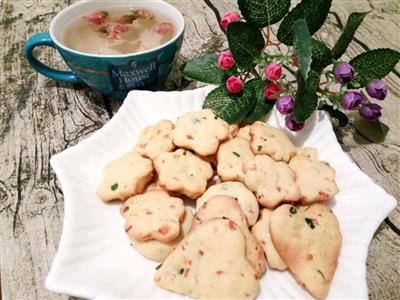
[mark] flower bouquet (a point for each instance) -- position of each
(301, 75)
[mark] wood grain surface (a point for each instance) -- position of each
(41, 117)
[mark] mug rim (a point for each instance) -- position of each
(69, 7)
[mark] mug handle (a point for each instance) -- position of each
(44, 39)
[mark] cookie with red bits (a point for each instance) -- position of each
(159, 251)
(308, 239)
(154, 215)
(210, 263)
(315, 178)
(183, 172)
(226, 207)
(200, 131)
(273, 182)
(156, 139)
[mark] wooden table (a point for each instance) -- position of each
(41, 117)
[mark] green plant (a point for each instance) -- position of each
(298, 80)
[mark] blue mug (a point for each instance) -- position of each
(112, 75)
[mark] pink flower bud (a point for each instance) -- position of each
(234, 84)
(96, 18)
(164, 28)
(228, 18)
(225, 60)
(272, 91)
(273, 71)
(114, 30)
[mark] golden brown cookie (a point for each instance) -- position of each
(183, 172)
(271, 141)
(125, 177)
(210, 263)
(316, 179)
(156, 139)
(153, 215)
(308, 240)
(200, 131)
(273, 182)
(231, 156)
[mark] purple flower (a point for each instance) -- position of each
(292, 125)
(351, 100)
(377, 89)
(344, 73)
(371, 111)
(285, 104)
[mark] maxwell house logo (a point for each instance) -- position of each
(135, 75)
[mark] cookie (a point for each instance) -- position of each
(210, 263)
(153, 215)
(273, 182)
(153, 185)
(183, 172)
(231, 156)
(200, 131)
(125, 177)
(308, 239)
(315, 178)
(244, 132)
(261, 232)
(309, 152)
(221, 206)
(159, 251)
(271, 141)
(156, 139)
(246, 199)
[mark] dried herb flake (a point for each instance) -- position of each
(259, 147)
(181, 270)
(310, 223)
(236, 154)
(114, 186)
(293, 210)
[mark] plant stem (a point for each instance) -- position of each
(289, 69)
(255, 73)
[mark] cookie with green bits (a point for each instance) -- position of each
(183, 172)
(200, 131)
(231, 156)
(271, 141)
(210, 263)
(154, 215)
(125, 177)
(308, 239)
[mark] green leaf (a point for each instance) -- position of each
(374, 64)
(205, 68)
(230, 107)
(306, 97)
(262, 106)
(245, 42)
(315, 13)
(354, 20)
(263, 13)
(302, 46)
(337, 115)
(321, 55)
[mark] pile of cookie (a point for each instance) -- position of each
(259, 200)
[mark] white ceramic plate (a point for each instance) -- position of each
(95, 259)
